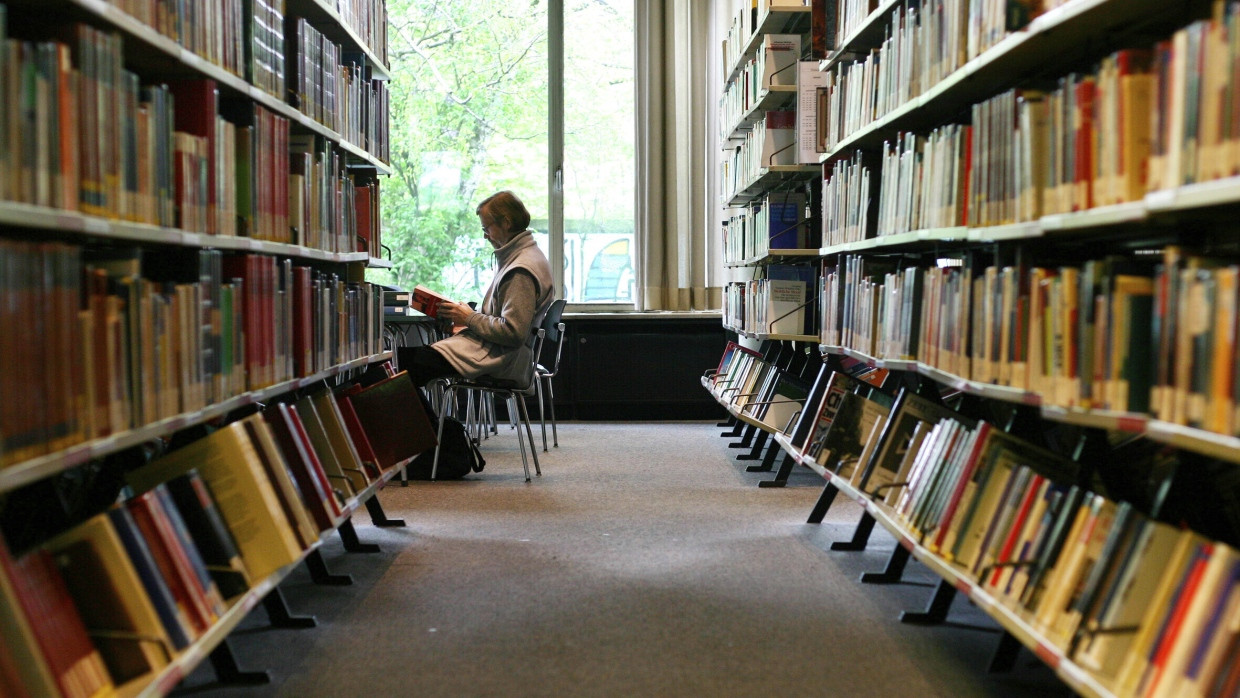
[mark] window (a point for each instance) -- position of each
(471, 108)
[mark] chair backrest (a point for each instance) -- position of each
(551, 321)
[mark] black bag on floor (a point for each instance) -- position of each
(458, 455)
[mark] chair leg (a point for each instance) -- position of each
(525, 417)
(520, 438)
(542, 417)
(555, 438)
(448, 393)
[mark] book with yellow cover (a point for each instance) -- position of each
(111, 599)
(226, 459)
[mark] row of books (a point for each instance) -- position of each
(780, 303)
(1148, 335)
(215, 31)
(748, 383)
(113, 600)
(771, 142)
(847, 200)
(248, 37)
(776, 222)
(335, 88)
(89, 138)
(368, 19)
(774, 64)
(1146, 608)
(102, 342)
(1144, 120)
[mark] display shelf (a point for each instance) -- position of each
(26, 472)
(1111, 420)
(927, 238)
(185, 662)
(1220, 446)
(1102, 216)
(1219, 192)
(777, 21)
(869, 34)
(776, 256)
(328, 22)
(767, 177)
(378, 263)
(30, 217)
(772, 97)
(1010, 619)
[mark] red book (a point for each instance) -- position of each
(1083, 177)
(197, 106)
(304, 464)
(1170, 631)
(1032, 492)
(354, 426)
(303, 322)
(966, 476)
(392, 415)
(361, 203)
(66, 649)
(170, 558)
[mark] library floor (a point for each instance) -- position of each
(645, 562)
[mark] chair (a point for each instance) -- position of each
(554, 330)
(513, 391)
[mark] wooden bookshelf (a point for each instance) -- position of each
(1154, 240)
(185, 333)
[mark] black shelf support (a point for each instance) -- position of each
(758, 444)
(348, 535)
(280, 616)
(1004, 658)
(768, 461)
(227, 672)
(823, 504)
(936, 610)
(861, 535)
(378, 517)
(781, 475)
(321, 575)
(747, 435)
(895, 568)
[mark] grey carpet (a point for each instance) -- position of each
(645, 562)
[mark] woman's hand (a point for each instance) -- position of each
(456, 313)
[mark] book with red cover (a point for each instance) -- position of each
(362, 204)
(304, 464)
(356, 431)
(148, 515)
(303, 322)
(395, 420)
(426, 301)
(197, 105)
(67, 651)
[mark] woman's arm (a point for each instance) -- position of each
(517, 297)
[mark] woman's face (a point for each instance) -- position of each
(492, 230)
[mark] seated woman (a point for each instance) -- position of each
(494, 341)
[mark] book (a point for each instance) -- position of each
(292, 502)
(394, 419)
(111, 600)
(312, 482)
(228, 463)
(908, 410)
(47, 609)
(206, 526)
(176, 624)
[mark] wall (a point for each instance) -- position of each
(635, 367)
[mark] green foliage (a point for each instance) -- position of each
(463, 74)
(469, 117)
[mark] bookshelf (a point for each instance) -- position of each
(184, 233)
(1023, 272)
